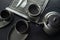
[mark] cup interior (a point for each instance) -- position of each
(5, 14)
(21, 26)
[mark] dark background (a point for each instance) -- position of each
(36, 32)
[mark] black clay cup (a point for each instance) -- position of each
(52, 23)
(22, 26)
(34, 10)
(5, 15)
